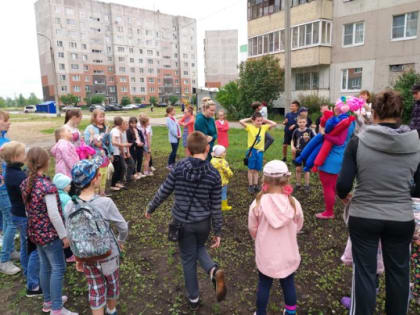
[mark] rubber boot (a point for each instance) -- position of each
(225, 206)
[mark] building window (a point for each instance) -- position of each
(142, 89)
(131, 60)
(123, 79)
(76, 88)
(142, 80)
(75, 66)
(85, 57)
(85, 67)
(87, 79)
(307, 81)
(84, 46)
(132, 79)
(74, 56)
(351, 79)
(152, 90)
(141, 70)
(59, 43)
(150, 61)
(110, 69)
(111, 89)
(133, 89)
(185, 72)
(259, 8)
(123, 89)
(404, 26)
(141, 51)
(76, 78)
(150, 52)
(122, 69)
(131, 50)
(72, 44)
(132, 70)
(186, 82)
(151, 80)
(120, 49)
(61, 66)
(62, 77)
(63, 88)
(353, 34)
(87, 88)
(60, 55)
(121, 59)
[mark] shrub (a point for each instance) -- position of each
(313, 102)
(403, 85)
(125, 100)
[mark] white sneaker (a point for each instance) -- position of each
(9, 268)
(153, 169)
(15, 256)
(150, 174)
(141, 175)
(63, 311)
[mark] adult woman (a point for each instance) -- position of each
(205, 123)
(383, 159)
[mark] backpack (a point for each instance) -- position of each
(89, 234)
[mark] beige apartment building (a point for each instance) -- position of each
(220, 57)
(114, 50)
(374, 42)
(311, 36)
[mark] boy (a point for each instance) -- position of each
(197, 187)
(289, 125)
(303, 112)
(256, 140)
(300, 139)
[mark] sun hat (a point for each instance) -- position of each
(61, 181)
(218, 150)
(85, 170)
(276, 168)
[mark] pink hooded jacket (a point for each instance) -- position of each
(274, 226)
(65, 157)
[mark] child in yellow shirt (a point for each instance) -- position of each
(222, 166)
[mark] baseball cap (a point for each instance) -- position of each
(218, 150)
(85, 170)
(276, 168)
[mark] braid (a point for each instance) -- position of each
(30, 184)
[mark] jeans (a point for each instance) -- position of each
(53, 266)
(30, 263)
(192, 248)
(263, 293)
(9, 229)
(224, 192)
(172, 156)
(395, 238)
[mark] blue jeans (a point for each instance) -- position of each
(30, 264)
(53, 266)
(224, 192)
(172, 156)
(263, 293)
(9, 229)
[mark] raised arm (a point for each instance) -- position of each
(271, 123)
(244, 121)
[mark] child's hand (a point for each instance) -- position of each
(216, 242)
(79, 266)
(147, 215)
(347, 199)
(66, 242)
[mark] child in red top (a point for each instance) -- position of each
(222, 126)
(187, 121)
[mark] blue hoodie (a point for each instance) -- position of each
(3, 140)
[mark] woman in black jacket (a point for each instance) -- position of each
(136, 150)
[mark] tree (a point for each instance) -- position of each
(32, 99)
(403, 85)
(137, 99)
(153, 100)
(228, 97)
(21, 101)
(69, 99)
(193, 99)
(173, 99)
(2, 102)
(97, 99)
(125, 100)
(10, 102)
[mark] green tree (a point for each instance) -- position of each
(10, 102)
(69, 99)
(153, 100)
(173, 99)
(137, 99)
(229, 97)
(125, 100)
(21, 101)
(404, 84)
(193, 99)
(32, 99)
(2, 102)
(97, 99)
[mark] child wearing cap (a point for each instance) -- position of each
(102, 275)
(303, 113)
(275, 218)
(222, 166)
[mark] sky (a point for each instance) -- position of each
(19, 62)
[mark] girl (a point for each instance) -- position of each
(129, 165)
(118, 146)
(174, 134)
(144, 123)
(222, 126)
(275, 218)
(135, 137)
(149, 130)
(14, 155)
(46, 229)
(222, 166)
(187, 121)
(64, 151)
(72, 120)
(103, 275)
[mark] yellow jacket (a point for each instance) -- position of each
(222, 166)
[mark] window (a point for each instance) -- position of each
(131, 60)
(124, 89)
(151, 80)
(61, 66)
(74, 56)
(87, 79)
(352, 79)
(133, 79)
(120, 49)
(186, 82)
(57, 20)
(184, 56)
(123, 79)
(150, 61)
(307, 81)
(121, 59)
(87, 88)
(60, 55)
(111, 79)
(142, 89)
(141, 70)
(404, 26)
(141, 51)
(97, 61)
(140, 60)
(84, 46)
(132, 69)
(353, 34)
(122, 69)
(85, 67)
(110, 69)
(62, 77)
(141, 80)
(73, 44)
(76, 88)
(151, 70)
(259, 8)
(152, 90)
(133, 89)
(59, 43)
(63, 88)
(131, 50)
(150, 52)
(75, 77)
(75, 66)
(185, 72)
(111, 89)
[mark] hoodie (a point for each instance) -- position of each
(197, 188)
(274, 225)
(65, 157)
(383, 159)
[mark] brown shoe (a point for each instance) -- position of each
(218, 279)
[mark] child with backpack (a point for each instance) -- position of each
(98, 255)
(222, 166)
(275, 218)
(64, 151)
(46, 229)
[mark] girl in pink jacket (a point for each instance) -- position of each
(64, 151)
(274, 220)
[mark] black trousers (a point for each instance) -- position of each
(395, 238)
(118, 169)
(137, 155)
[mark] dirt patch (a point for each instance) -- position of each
(29, 132)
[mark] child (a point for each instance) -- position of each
(103, 275)
(64, 151)
(46, 229)
(222, 166)
(303, 112)
(72, 120)
(289, 125)
(144, 129)
(187, 121)
(197, 187)
(117, 154)
(14, 155)
(300, 139)
(256, 140)
(135, 137)
(275, 218)
(128, 165)
(222, 126)
(322, 109)
(174, 134)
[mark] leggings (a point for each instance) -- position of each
(118, 170)
(328, 182)
(172, 156)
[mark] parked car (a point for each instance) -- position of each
(113, 107)
(142, 105)
(162, 105)
(30, 109)
(66, 108)
(93, 107)
(130, 106)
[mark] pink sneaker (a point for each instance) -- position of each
(71, 259)
(46, 306)
(324, 215)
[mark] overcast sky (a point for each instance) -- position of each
(19, 62)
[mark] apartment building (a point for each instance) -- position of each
(374, 42)
(115, 51)
(220, 57)
(311, 36)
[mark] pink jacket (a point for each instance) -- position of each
(222, 133)
(274, 226)
(65, 157)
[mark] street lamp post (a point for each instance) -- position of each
(54, 74)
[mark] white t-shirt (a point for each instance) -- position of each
(116, 135)
(263, 112)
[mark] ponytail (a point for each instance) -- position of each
(37, 159)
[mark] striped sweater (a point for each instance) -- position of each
(196, 183)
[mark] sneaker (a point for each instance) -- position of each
(34, 293)
(346, 302)
(114, 188)
(218, 279)
(15, 256)
(119, 185)
(46, 306)
(153, 169)
(63, 311)
(194, 306)
(149, 174)
(324, 215)
(9, 268)
(256, 189)
(251, 189)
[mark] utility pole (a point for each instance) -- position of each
(287, 59)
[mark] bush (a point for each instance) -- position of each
(228, 97)
(404, 85)
(95, 99)
(137, 99)
(153, 100)
(125, 100)
(173, 99)
(313, 102)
